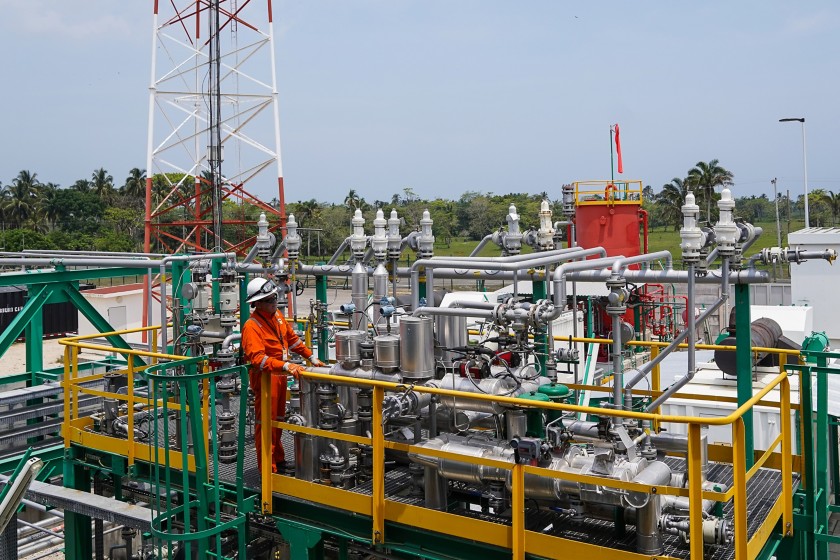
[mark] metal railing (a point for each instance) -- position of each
(381, 509)
(178, 389)
(610, 192)
(517, 538)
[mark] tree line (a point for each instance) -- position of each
(100, 214)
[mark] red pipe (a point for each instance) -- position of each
(644, 215)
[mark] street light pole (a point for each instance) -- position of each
(804, 165)
(778, 225)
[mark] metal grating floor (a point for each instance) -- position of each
(762, 491)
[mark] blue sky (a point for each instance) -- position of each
(446, 96)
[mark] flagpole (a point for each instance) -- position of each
(612, 166)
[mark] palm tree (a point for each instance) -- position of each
(49, 206)
(704, 177)
(103, 184)
(135, 184)
(82, 185)
(352, 200)
(308, 210)
(831, 200)
(671, 199)
(20, 198)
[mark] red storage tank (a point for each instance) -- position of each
(608, 215)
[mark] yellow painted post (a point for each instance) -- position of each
(378, 496)
(787, 459)
(695, 493)
(66, 383)
(131, 442)
(155, 345)
(739, 476)
(655, 382)
(205, 419)
(518, 508)
(74, 372)
(265, 440)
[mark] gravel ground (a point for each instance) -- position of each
(14, 360)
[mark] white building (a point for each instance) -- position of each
(813, 282)
(121, 306)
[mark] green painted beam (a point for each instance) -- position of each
(541, 337)
(324, 338)
(78, 537)
(42, 276)
(743, 360)
(31, 311)
(307, 516)
(48, 455)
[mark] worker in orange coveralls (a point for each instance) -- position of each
(267, 340)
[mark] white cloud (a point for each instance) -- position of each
(70, 20)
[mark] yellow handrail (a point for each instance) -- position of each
(519, 536)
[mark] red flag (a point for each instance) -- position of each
(618, 150)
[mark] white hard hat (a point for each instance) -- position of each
(260, 288)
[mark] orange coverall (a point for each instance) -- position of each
(267, 342)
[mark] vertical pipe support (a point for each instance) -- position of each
(265, 443)
(378, 494)
(822, 479)
(517, 505)
(130, 402)
(806, 409)
(323, 338)
(695, 492)
(66, 383)
(739, 483)
(541, 337)
(743, 359)
(787, 459)
(655, 383)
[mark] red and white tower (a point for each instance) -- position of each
(214, 129)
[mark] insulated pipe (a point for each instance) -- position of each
(692, 322)
(502, 264)
(143, 262)
(748, 243)
(473, 304)
(674, 276)
(712, 256)
(293, 290)
(455, 312)
(559, 278)
(456, 273)
(115, 254)
(277, 251)
(481, 245)
(648, 366)
(339, 251)
(228, 341)
(692, 335)
(513, 264)
(358, 295)
(620, 264)
(520, 257)
(249, 258)
(618, 362)
(380, 290)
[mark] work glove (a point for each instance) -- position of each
(294, 369)
(316, 362)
